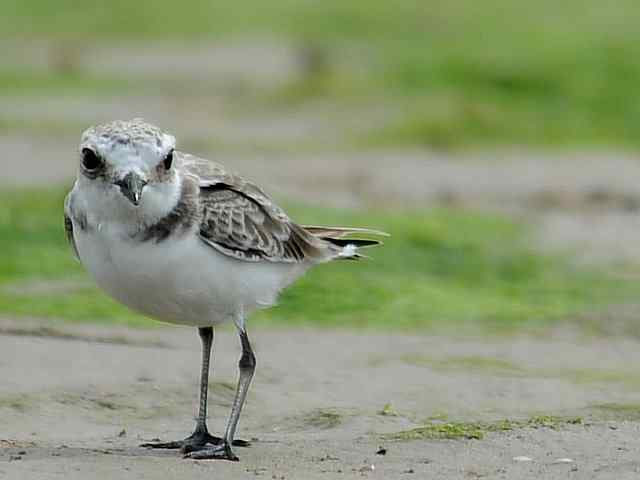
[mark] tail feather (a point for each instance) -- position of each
(339, 232)
(356, 242)
(347, 247)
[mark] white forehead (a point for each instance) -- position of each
(119, 141)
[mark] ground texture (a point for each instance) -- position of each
(76, 403)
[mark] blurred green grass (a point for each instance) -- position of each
(25, 82)
(442, 270)
(463, 73)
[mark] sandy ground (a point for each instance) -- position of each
(78, 407)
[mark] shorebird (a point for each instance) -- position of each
(182, 240)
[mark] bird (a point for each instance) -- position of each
(182, 240)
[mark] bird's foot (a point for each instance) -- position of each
(198, 440)
(219, 452)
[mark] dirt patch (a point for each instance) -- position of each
(255, 62)
(43, 287)
(65, 405)
(27, 328)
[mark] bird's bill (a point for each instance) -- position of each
(131, 186)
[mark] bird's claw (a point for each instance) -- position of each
(196, 441)
(219, 452)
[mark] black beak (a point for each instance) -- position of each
(131, 187)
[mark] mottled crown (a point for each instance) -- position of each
(135, 133)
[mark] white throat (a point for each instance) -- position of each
(104, 204)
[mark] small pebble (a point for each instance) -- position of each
(522, 458)
(122, 433)
(410, 470)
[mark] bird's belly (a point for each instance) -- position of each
(180, 279)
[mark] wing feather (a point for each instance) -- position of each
(241, 221)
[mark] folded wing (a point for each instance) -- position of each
(242, 221)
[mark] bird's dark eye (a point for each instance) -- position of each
(90, 160)
(168, 160)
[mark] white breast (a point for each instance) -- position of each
(181, 279)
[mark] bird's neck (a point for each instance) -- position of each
(107, 206)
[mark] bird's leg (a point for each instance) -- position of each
(247, 366)
(201, 436)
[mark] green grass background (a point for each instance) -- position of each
(441, 270)
(463, 73)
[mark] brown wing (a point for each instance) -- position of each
(241, 221)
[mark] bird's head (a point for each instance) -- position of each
(127, 156)
(130, 163)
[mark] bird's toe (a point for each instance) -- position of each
(220, 452)
(196, 441)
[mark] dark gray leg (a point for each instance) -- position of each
(247, 366)
(200, 437)
(206, 336)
